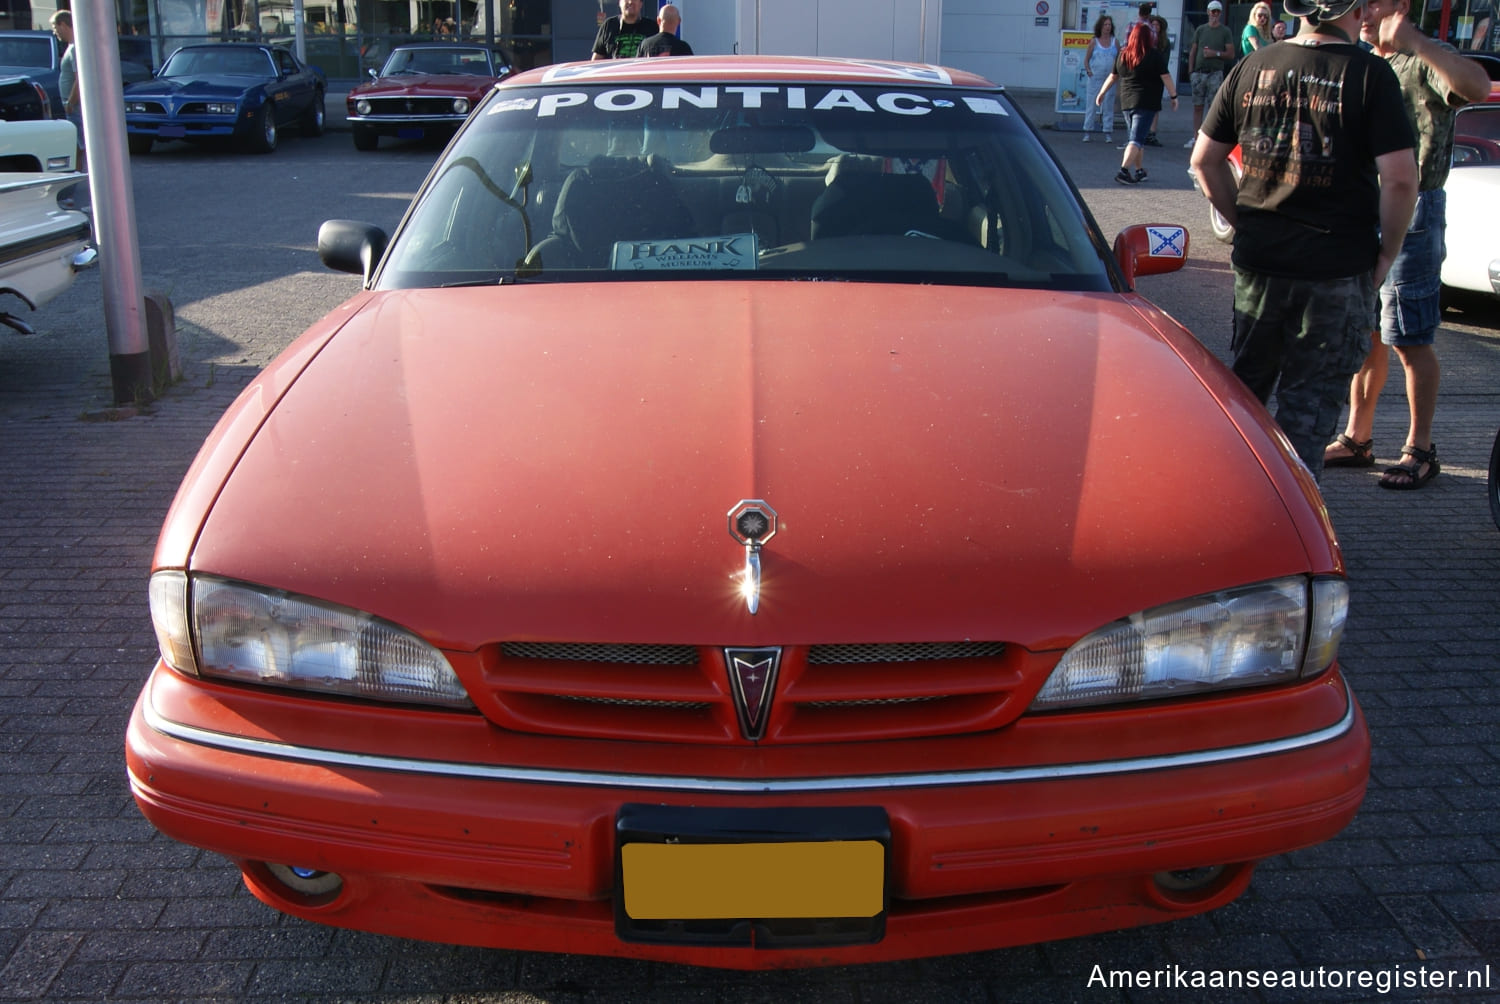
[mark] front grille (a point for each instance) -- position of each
(679, 693)
(840, 655)
(634, 655)
(403, 107)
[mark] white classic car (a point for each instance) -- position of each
(42, 245)
(38, 145)
(1473, 187)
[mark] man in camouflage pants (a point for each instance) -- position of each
(1330, 179)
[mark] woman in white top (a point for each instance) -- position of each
(1098, 62)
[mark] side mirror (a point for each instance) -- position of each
(1151, 249)
(350, 246)
(374, 73)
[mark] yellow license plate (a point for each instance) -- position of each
(686, 881)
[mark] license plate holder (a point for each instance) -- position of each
(768, 877)
(411, 132)
(171, 132)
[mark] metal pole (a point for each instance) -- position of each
(95, 35)
(299, 23)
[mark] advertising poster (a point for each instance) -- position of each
(1072, 73)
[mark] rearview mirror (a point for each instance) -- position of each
(758, 139)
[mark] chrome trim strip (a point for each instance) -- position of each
(876, 782)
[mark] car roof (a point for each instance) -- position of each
(258, 47)
(806, 69)
(443, 45)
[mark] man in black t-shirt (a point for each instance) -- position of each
(1330, 180)
(666, 42)
(620, 37)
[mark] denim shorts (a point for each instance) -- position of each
(1410, 297)
(1138, 124)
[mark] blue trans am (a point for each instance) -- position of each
(226, 90)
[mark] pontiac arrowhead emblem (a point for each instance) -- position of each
(752, 522)
(752, 678)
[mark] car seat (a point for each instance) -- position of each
(861, 199)
(612, 199)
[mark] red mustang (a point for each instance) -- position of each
(423, 90)
(747, 518)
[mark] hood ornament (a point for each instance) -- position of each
(752, 523)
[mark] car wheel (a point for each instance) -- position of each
(1223, 232)
(263, 138)
(139, 144)
(366, 139)
(1495, 481)
(317, 117)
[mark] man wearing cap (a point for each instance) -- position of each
(1330, 180)
(1208, 57)
(1435, 81)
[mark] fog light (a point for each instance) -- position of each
(1189, 879)
(307, 881)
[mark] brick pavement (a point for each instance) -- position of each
(94, 905)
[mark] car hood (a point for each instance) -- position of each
(558, 462)
(429, 85)
(207, 85)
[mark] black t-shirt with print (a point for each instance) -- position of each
(664, 43)
(1310, 121)
(1141, 88)
(617, 40)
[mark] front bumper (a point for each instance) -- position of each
(187, 127)
(475, 853)
(406, 126)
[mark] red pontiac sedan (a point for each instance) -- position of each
(747, 518)
(423, 90)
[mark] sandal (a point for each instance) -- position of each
(1403, 478)
(1360, 454)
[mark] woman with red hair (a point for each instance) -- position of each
(1142, 75)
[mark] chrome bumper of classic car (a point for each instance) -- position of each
(732, 786)
(392, 121)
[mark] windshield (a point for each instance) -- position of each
(212, 60)
(438, 60)
(916, 184)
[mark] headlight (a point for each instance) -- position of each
(1255, 635)
(362, 106)
(139, 107)
(460, 106)
(219, 108)
(234, 631)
